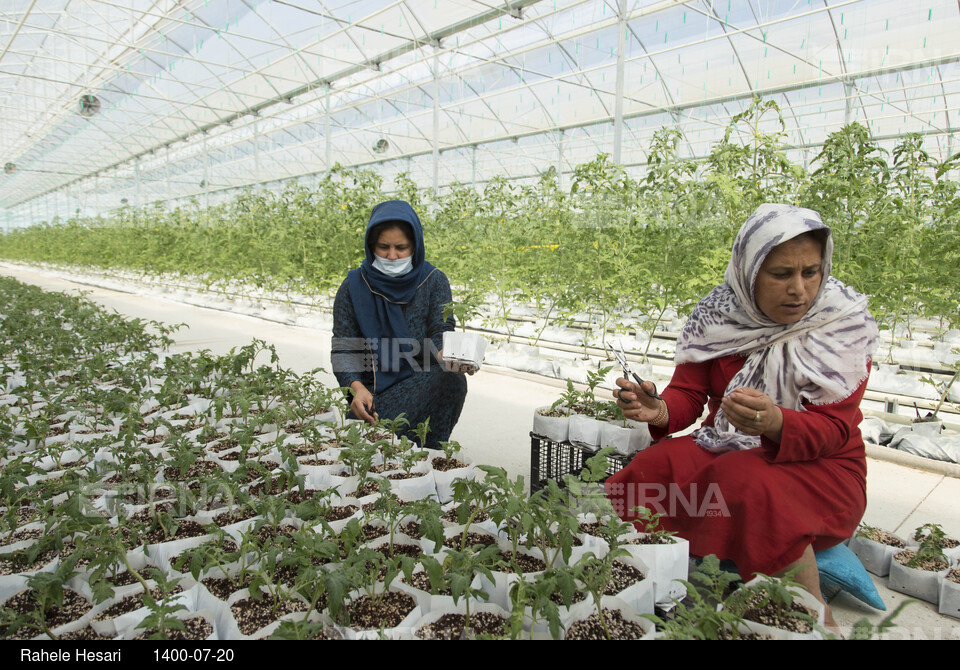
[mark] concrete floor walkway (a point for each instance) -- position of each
(497, 417)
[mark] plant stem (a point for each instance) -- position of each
(943, 396)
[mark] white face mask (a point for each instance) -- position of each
(393, 268)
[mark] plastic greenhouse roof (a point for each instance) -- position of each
(200, 97)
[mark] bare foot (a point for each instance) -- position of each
(830, 623)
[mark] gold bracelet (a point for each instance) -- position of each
(662, 415)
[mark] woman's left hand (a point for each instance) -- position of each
(754, 413)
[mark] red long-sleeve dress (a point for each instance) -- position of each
(760, 507)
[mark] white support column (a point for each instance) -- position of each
(560, 159)
(436, 118)
(473, 177)
(206, 173)
(950, 149)
(848, 93)
(328, 149)
(136, 174)
(256, 149)
(621, 59)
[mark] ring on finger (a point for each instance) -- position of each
(756, 419)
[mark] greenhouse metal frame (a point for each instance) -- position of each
(131, 102)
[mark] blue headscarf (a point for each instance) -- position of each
(378, 299)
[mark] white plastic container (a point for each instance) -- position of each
(463, 351)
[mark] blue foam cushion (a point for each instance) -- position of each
(841, 570)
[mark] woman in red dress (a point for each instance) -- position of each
(779, 354)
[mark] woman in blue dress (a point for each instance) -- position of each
(388, 330)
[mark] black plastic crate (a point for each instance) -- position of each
(553, 460)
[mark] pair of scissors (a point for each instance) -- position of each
(628, 373)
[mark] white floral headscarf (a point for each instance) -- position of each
(820, 359)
